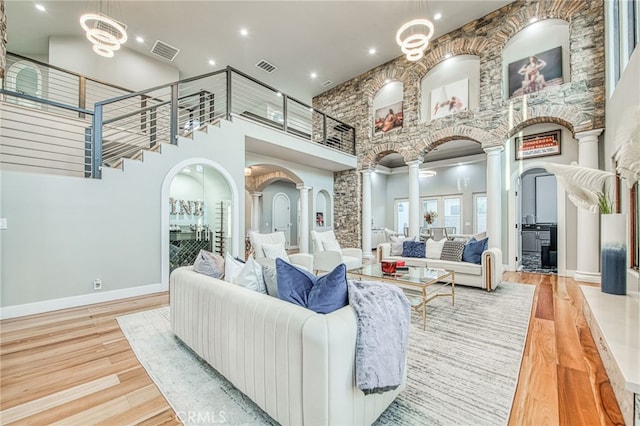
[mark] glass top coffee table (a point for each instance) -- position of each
(415, 282)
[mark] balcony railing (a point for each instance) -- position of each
(128, 122)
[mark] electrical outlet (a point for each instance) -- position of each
(97, 284)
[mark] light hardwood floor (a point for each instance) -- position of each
(76, 367)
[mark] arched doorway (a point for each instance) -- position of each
(200, 210)
(281, 216)
(25, 78)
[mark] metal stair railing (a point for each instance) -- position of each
(177, 109)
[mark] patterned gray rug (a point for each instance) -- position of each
(462, 370)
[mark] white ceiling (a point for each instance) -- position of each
(331, 38)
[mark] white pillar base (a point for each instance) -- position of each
(589, 277)
(368, 255)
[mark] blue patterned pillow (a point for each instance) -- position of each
(473, 250)
(413, 249)
(323, 294)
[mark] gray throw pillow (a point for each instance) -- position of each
(270, 279)
(396, 244)
(452, 250)
(208, 263)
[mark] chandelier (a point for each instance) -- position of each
(413, 38)
(105, 33)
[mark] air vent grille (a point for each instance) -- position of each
(266, 66)
(327, 83)
(165, 50)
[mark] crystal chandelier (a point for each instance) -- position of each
(105, 33)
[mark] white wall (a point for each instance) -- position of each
(127, 68)
(64, 232)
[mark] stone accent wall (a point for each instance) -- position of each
(347, 208)
(3, 39)
(577, 105)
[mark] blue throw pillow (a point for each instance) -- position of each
(413, 249)
(473, 250)
(323, 294)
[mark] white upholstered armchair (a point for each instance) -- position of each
(327, 253)
(273, 245)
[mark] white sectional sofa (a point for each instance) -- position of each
(295, 364)
(487, 275)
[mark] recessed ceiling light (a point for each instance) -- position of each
(313, 75)
(532, 20)
(212, 62)
(447, 56)
(41, 8)
(139, 39)
(372, 51)
(279, 94)
(387, 81)
(244, 32)
(186, 170)
(437, 16)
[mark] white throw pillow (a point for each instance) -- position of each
(331, 245)
(396, 244)
(248, 275)
(434, 248)
(273, 251)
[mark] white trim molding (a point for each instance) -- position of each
(15, 311)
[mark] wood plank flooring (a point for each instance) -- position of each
(75, 367)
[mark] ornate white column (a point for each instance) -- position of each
(588, 225)
(414, 197)
(255, 211)
(303, 232)
(494, 196)
(366, 213)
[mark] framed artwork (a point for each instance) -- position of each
(534, 73)
(450, 98)
(388, 118)
(538, 145)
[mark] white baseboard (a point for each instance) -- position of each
(569, 273)
(75, 301)
(589, 277)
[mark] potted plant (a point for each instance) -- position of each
(430, 216)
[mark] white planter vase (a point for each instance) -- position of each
(613, 253)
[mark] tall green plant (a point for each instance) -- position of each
(605, 204)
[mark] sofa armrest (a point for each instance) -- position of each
(491, 262)
(326, 260)
(383, 251)
(353, 252)
(304, 260)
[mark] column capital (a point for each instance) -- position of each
(367, 171)
(589, 135)
(301, 187)
(256, 194)
(493, 150)
(414, 163)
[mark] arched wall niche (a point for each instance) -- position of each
(324, 210)
(457, 77)
(539, 39)
(388, 107)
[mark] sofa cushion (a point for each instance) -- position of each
(209, 264)
(248, 275)
(351, 262)
(413, 249)
(396, 244)
(322, 294)
(452, 250)
(458, 267)
(434, 248)
(473, 250)
(331, 245)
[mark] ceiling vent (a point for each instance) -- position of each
(266, 66)
(327, 83)
(164, 50)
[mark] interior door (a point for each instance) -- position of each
(282, 215)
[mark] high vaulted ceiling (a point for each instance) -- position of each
(330, 38)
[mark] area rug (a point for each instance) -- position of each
(462, 370)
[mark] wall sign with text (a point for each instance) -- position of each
(538, 145)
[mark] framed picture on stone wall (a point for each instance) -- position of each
(450, 98)
(538, 145)
(388, 118)
(536, 72)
